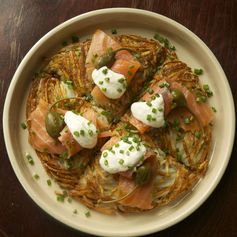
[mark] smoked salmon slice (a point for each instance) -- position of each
(142, 196)
(39, 138)
(202, 111)
(124, 64)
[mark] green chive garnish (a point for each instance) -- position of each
(82, 132)
(187, 120)
(106, 162)
(198, 71)
(105, 71)
(105, 154)
(197, 134)
(121, 161)
(75, 211)
(121, 151)
(149, 103)
(154, 110)
(101, 82)
(30, 159)
(76, 133)
(36, 176)
(49, 182)
(107, 79)
(90, 132)
(114, 31)
(149, 117)
(119, 90)
(214, 109)
(23, 126)
(87, 214)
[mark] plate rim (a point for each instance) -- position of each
(6, 120)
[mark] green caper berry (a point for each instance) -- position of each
(143, 174)
(178, 98)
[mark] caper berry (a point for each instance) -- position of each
(143, 174)
(106, 59)
(54, 123)
(178, 98)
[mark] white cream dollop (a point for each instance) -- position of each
(150, 113)
(82, 130)
(124, 155)
(112, 84)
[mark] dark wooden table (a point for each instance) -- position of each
(24, 22)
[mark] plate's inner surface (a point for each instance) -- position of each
(189, 52)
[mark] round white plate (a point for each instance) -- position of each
(191, 50)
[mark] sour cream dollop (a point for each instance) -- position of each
(112, 84)
(82, 130)
(124, 155)
(150, 113)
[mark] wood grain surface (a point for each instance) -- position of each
(24, 22)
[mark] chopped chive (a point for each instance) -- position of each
(153, 119)
(154, 110)
(105, 154)
(197, 134)
(107, 79)
(153, 97)
(114, 31)
(149, 103)
(127, 153)
(149, 117)
(76, 133)
(23, 125)
(75, 211)
(187, 120)
(130, 66)
(198, 72)
(36, 176)
(159, 38)
(214, 109)
(75, 39)
(90, 132)
(201, 99)
(150, 91)
(104, 89)
(138, 148)
(160, 109)
(105, 71)
(101, 82)
(30, 159)
(119, 90)
(82, 132)
(87, 214)
(69, 200)
(49, 182)
(129, 73)
(60, 198)
(121, 161)
(131, 148)
(141, 158)
(164, 84)
(121, 151)
(112, 151)
(106, 113)
(116, 145)
(106, 162)
(121, 80)
(135, 139)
